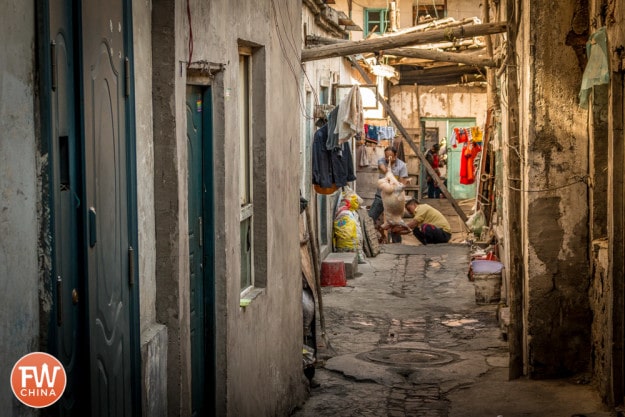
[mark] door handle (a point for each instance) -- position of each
(93, 236)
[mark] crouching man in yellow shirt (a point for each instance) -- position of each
(427, 224)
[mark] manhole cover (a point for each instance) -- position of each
(412, 357)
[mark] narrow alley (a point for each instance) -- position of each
(406, 337)
(177, 175)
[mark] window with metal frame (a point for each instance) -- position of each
(245, 168)
(251, 100)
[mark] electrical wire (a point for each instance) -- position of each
(296, 53)
(190, 35)
(288, 61)
(579, 179)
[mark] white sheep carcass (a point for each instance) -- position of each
(394, 201)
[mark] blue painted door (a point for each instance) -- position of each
(200, 207)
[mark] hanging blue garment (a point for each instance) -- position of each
(597, 70)
(331, 167)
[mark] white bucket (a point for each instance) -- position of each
(487, 288)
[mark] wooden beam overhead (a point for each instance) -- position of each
(397, 41)
(439, 70)
(441, 56)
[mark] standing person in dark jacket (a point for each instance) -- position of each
(433, 158)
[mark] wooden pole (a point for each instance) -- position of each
(515, 246)
(388, 42)
(316, 261)
(411, 143)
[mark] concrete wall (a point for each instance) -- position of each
(258, 352)
(142, 24)
(554, 149)
(606, 147)
(20, 203)
(153, 334)
(602, 335)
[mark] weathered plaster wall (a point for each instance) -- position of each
(452, 102)
(602, 306)
(261, 350)
(153, 334)
(258, 352)
(142, 27)
(20, 170)
(606, 293)
(555, 154)
(172, 264)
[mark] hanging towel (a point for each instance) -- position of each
(597, 70)
(350, 115)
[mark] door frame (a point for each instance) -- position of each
(208, 232)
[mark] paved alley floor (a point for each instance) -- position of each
(406, 338)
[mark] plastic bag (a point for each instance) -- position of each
(346, 232)
(476, 222)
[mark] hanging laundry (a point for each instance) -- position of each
(469, 152)
(476, 134)
(461, 135)
(597, 69)
(332, 140)
(362, 156)
(373, 133)
(330, 168)
(386, 132)
(350, 115)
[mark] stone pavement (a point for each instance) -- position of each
(406, 338)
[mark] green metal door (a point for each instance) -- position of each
(200, 204)
(456, 189)
(110, 254)
(94, 329)
(68, 335)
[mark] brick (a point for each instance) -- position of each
(350, 259)
(333, 273)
